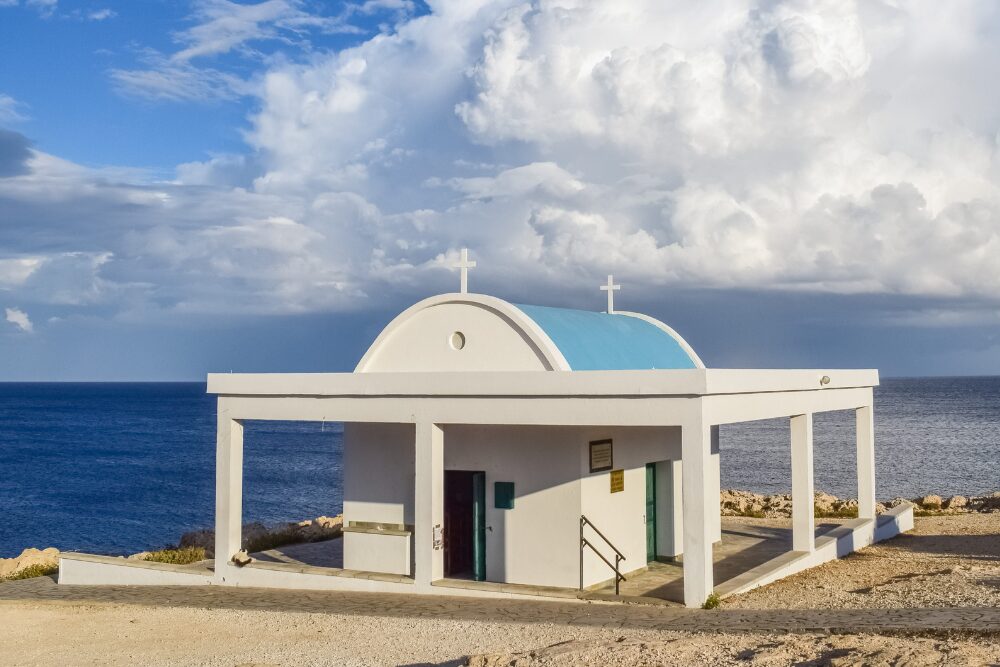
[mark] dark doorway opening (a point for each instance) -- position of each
(465, 524)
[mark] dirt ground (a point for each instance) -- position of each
(947, 561)
(64, 634)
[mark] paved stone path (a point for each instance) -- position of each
(608, 615)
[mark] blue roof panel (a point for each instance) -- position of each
(601, 342)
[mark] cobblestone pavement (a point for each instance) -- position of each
(608, 615)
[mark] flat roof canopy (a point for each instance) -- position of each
(687, 382)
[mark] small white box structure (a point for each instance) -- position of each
(377, 550)
(461, 391)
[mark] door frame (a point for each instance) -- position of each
(651, 554)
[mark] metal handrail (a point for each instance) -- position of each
(584, 542)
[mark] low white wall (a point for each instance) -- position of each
(88, 570)
(378, 552)
(850, 537)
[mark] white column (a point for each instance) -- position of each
(715, 479)
(228, 490)
(428, 507)
(700, 503)
(803, 521)
(866, 462)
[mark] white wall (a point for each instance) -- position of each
(536, 542)
(378, 473)
(421, 343)
(622, 516)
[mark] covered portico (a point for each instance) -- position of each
(694, 400)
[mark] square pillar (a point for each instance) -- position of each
(866, 462)
(228, 490)
(715, 479)
(701, 503)
(428, 506)
(803, 492)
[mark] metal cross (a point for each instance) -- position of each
(464, 265)
(610, 289)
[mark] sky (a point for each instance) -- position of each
(192, 186)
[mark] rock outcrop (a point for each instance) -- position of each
(29, 557)
(747, 503)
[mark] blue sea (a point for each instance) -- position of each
(119, 468)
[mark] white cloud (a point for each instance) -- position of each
(19, 319)
(808, 145)
(102, 14)
(221, 27)
(46, 8)
(9, 110)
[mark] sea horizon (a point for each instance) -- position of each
(123, 466)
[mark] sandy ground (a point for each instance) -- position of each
(62, 634)
(947, 561)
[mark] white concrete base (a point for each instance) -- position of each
(839, 542)
(93, 570)
(88, 569)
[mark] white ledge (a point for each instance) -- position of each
(693, 382)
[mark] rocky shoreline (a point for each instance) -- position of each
(776, 506)
(259, 537)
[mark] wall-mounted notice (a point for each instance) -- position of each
(601, 458)
(617, 481)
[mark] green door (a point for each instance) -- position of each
(650, 512)
(479, 526)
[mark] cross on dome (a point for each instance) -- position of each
(464, 265)
(610, 289)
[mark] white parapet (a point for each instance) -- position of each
(839, 542)
(89, 569)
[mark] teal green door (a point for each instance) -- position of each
(479, 526)
(650, 512)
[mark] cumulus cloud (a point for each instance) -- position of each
(798, 145)
(19, 319)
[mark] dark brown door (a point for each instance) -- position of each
(460, 519)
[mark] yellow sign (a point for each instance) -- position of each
(617, 481)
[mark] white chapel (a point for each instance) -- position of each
(501, 449)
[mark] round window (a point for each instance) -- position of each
(457, 340)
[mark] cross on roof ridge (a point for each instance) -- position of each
(463, 266)
(610, 289)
